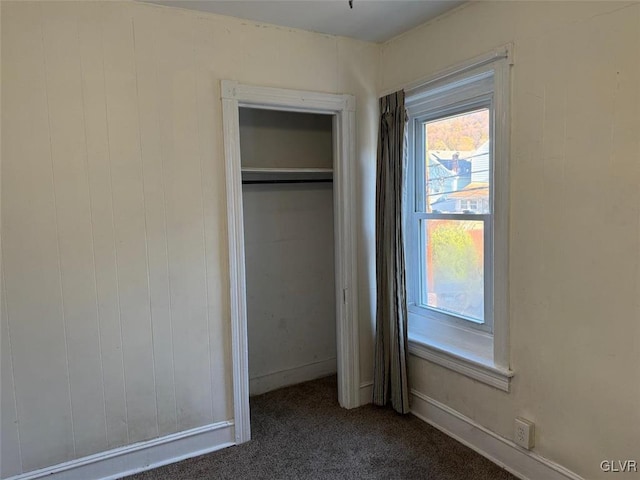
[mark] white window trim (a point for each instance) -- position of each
(476, 354)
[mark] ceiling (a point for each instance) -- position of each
(370, 20)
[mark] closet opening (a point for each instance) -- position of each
(288, 214)
(289, 165)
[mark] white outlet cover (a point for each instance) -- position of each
(524, 433)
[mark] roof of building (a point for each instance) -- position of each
(473, 191)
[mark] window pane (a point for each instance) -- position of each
(457, 163)
(454, 267)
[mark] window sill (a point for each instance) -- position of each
(477, 364)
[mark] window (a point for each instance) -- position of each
(451, 229)
(456, 222)
(470, 206)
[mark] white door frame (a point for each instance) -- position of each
(342, 107)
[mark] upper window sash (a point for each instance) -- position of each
(418, 143)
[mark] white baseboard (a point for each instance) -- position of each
(366, 393)
(292, 376)
(522, 463)
(139, 457)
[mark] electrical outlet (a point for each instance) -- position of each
(524, 433)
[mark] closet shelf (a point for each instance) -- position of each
(257, 175)
(286, 170)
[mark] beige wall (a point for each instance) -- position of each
(115, 321)
(575, 213)
(291, 319)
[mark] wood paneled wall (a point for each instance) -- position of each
(115, 315)
(115, 292)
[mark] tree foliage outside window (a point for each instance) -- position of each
(464, 132)
(455, 257)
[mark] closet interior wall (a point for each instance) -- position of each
(289, 248)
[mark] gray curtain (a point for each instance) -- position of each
(390, 370)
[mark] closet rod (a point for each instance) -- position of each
(317, 180)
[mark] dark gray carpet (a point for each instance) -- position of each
(300, 432)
